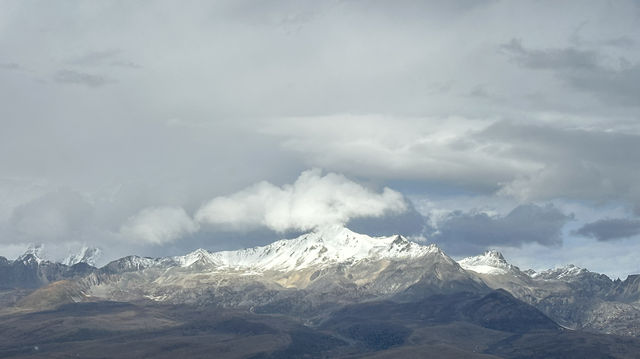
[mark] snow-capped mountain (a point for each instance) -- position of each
(326, 246)
(490, 262)
(568, 272)
(88, 255)
(33, 253)
(325, 269)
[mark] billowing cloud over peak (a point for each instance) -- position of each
(312, 201)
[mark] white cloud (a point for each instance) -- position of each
(159, 225)
(313, 200)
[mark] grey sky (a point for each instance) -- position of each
(116, 111)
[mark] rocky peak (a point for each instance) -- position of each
(567, 272)
(490, 262)
(33, 254)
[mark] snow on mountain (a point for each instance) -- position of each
(33, 253)
(325, 246)
(491, 262)
(88, 255)
(560, 273)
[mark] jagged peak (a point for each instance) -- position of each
(322, 246)
(34, 252)
(490, 262)
(198, 255)
(492, 253)
(568, 271)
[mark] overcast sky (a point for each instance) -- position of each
(156, 127)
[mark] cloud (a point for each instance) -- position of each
(313, 200)
(409, 223)
(610, 229)
(562, 58)
(159, 225)
(567, 162)
(10, 66)
(80, 78)
(54, 216)
(584, 70)
(527, 159)
(96, 57)
(429, 149)
(110, 57)
(371, 90)
(466, 233)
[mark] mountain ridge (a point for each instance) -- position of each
(317, 272)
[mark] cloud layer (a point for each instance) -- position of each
(112, 108)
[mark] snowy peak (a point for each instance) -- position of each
(491, 262)
(88, 255)
(567, 272)
(33, 254)
(325, 246)
(199, 256)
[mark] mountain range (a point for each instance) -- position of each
(358, 293)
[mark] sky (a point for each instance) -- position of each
(158, 127)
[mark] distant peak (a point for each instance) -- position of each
(490, 262)
(564, 272)
(88, 255)
(33, 252)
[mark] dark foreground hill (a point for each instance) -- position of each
(460, 325)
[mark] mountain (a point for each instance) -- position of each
(33, 254)
(574, 297)
(491, 262)
(31, 270)
(319, 272)
(325, 247)
(328, 293)
(306, 275)
(88, 255)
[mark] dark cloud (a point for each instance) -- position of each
(53, 217)
(125, 64)
(618, 86)
(80, 78)
(573, 163)
(467, 233)
(565, 58)
(10, 66)
(610, 229)
(584, 70)
(621, 41)
(95, 57)
(409, 223)
(112, 57)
